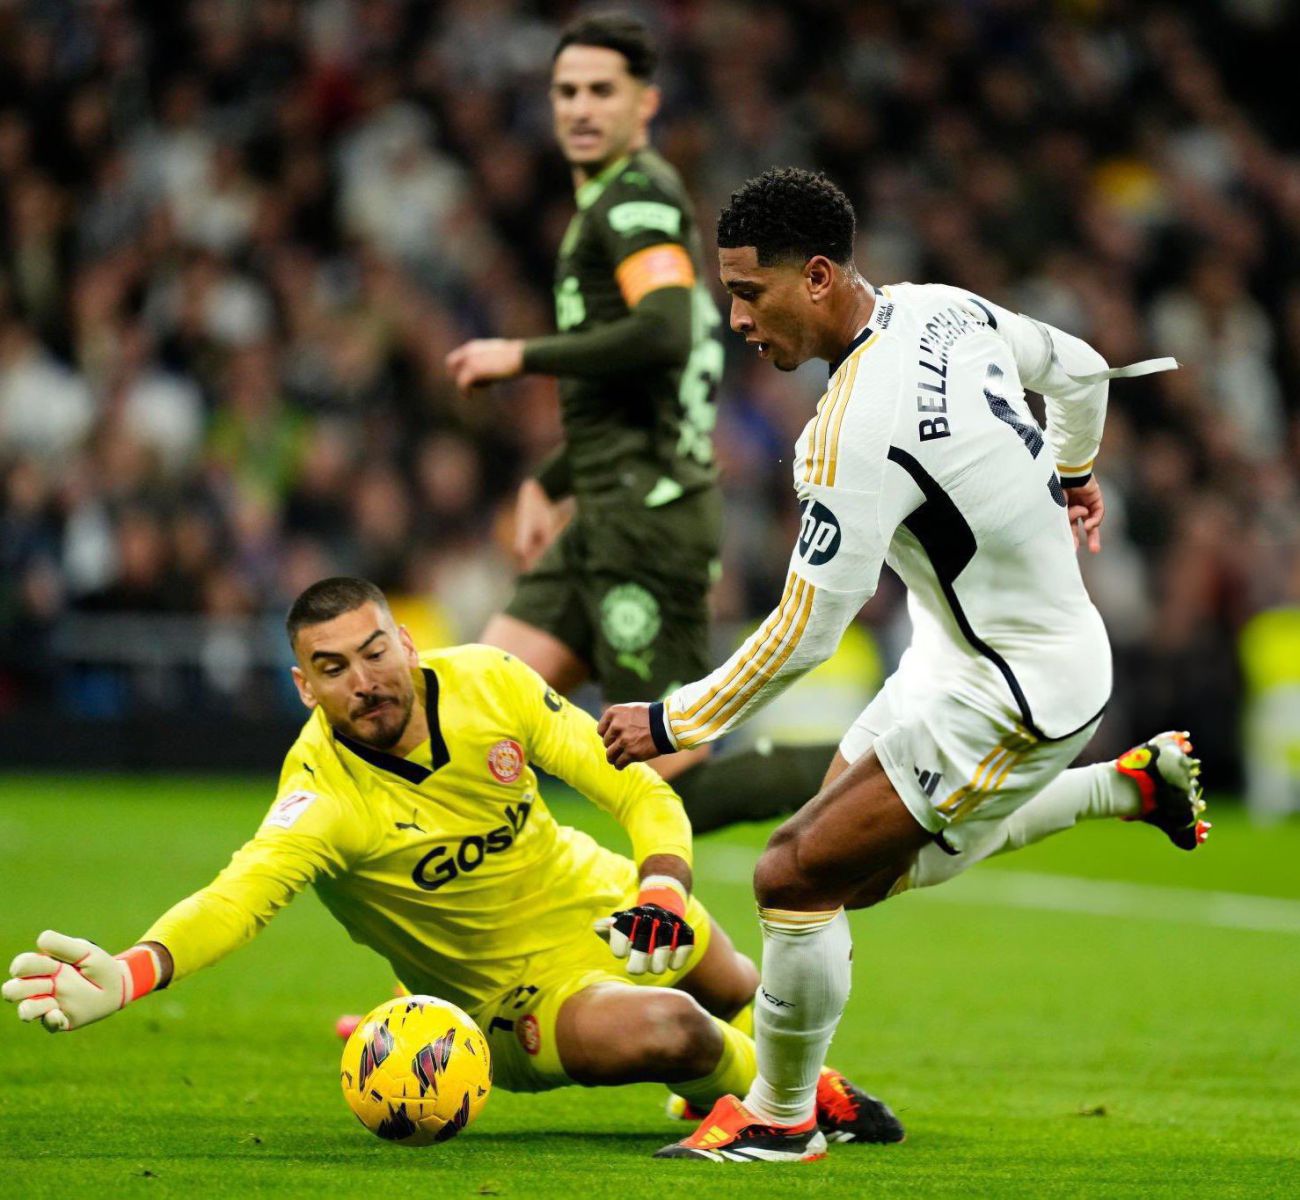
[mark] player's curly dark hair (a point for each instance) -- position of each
(330, 598)
(614, 31)
(789, 214)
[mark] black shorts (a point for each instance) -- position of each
(626, 589)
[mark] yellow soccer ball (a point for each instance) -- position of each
(416, 1070)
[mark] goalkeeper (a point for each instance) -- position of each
(409, 803)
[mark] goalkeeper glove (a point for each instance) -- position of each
(73, 982)
(653, 935)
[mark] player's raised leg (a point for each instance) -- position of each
(1157, 783)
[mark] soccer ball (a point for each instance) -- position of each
(416, 1070)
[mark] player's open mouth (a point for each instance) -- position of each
(764, 348)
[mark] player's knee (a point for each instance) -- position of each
(779, 879)
(679, 1039)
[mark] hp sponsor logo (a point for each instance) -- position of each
(819, 533)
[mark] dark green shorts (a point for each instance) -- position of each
(626, 589)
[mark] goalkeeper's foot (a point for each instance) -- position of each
(845, 1113)
(346, 1024)
(1169, 781)
(731, 1133)
(681, 1109)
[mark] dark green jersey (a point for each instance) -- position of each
(639, 429)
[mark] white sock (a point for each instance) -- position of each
(1080, 794)
(807, 969)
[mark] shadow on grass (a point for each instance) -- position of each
(343, 1149)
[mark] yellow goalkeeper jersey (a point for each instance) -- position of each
(447, 862)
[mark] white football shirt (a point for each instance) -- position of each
(924, 454)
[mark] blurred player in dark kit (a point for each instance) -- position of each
(620, 595)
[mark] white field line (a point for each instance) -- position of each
(985, 885)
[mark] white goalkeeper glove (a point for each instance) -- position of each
(653, 935)
(73, 982)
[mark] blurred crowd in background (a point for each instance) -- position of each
(237, 240)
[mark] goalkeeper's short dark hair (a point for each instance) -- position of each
(330, 598)
(788, 214)
(614, 31)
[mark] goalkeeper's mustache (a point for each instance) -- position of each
(371, 704)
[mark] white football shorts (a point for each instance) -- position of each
(957, 768)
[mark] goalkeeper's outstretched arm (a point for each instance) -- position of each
(68, 982)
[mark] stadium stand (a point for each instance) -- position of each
(237, 240)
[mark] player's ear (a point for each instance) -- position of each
(651, 97)
(819, 275)
(408, 646)
(305, 694)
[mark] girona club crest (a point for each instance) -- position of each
(506, 760)
(529, 1033)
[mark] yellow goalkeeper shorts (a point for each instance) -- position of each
(520, 1023)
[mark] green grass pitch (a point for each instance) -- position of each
(1096, 1016)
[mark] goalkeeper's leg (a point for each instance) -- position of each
(614, 1033)
(692, 1036)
